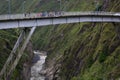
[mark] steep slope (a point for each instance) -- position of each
(84, 51)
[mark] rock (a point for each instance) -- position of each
(43, 72)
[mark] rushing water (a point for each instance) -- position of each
(37, 67)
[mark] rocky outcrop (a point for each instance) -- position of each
(52, 72)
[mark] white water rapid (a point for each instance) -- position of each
(39, 60)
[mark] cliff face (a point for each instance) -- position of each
(94, 53)
(93, 56)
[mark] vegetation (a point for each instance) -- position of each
(85, 51)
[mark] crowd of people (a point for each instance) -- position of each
(45, 14)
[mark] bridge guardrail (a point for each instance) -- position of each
(90, 13)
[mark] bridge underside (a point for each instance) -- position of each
(30, 22)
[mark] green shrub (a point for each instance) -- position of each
(103, 55)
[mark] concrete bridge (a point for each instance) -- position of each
(35, 20)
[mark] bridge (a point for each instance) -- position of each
(35, 20)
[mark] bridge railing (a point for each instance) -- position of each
(91, 13)
(53, 14)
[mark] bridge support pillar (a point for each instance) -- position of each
(5, 72)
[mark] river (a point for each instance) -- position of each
(38, 63)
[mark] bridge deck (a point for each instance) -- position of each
(36, 19)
